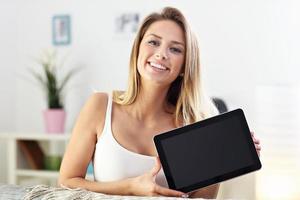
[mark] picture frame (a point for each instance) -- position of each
(127, 22)
(61, 30)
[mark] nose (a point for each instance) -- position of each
(161, 54)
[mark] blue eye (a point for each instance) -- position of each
(175, 50)
(153, 42)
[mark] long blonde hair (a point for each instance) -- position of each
(186, 92)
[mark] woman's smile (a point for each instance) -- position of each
(156, 67)
(161, 52)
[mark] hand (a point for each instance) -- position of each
(145, 185)
(256, 143)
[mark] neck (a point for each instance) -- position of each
(150, 104)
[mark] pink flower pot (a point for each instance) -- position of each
(55, 120)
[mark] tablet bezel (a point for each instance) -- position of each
(235, 113)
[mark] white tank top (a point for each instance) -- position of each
(114, 162)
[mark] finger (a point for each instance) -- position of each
(156, 167)
(252, 134)
(255, 140)
(168, 192)
(258, 147)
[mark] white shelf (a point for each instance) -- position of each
(53, 143)
(37, 173)
(17, 172)
(37, 136)
(44, 174)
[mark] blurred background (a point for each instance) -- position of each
(250, 54)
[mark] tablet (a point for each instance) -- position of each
(207, 152)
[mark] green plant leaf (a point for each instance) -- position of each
(39, 78)
(49, 79)
(67, 78)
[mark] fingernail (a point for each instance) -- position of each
(185, 196)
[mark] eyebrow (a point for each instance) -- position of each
(173, 41)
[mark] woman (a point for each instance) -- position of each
(116, 131)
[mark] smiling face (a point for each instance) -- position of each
(161, 52)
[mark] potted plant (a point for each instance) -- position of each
(55, 114)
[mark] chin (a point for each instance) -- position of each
(157, 81)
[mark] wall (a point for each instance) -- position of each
(96, 47)
(244, 44)
(9, 63)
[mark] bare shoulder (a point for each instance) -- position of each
(93, 112)
(96, 103)
(98, 100)
(82, 143)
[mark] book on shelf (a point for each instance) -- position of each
(33, 153)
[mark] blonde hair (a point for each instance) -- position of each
(186, 92)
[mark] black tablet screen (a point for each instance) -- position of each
(207, 152)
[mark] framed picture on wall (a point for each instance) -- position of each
(61, 30)
(127, 23)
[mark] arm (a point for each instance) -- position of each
(81, 147)
(80, 151)
(209, 192)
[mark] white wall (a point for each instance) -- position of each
(243, 44)
(9, 63)
(8, 56)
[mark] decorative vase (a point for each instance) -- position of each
(52, 162)
(55, 120)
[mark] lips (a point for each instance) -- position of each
(158, 66)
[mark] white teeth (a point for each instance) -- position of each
(157, 66)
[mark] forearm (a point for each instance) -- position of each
(121, 187)
(209, 192)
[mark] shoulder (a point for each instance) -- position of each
(93, 112)
(96, 102)
(98, 99)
